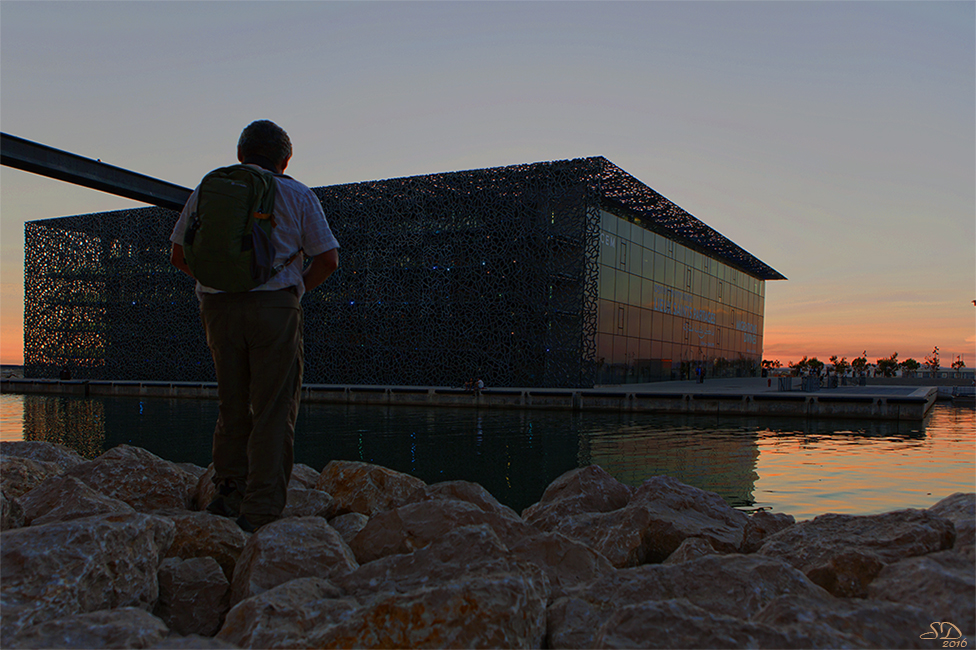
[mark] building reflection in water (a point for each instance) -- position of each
(76, 423)
(724, 462)
(798, 466)
(513, 454)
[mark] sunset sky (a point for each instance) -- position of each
(836, 141)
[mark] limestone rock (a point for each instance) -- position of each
(78, 566)
(678, 511)
(143, 480)
(728, 585)
(870, 623)
(11, 513)
(192, 469)
(943, 584)
(573, 621)
(677, 623)
(303, 476)
(201, 534)
(124, 627)
(736, 585)
(283, 616)
(622, 536)
(349, 525)
(487, 611)
(847, 573)
(456, 556)
(415, 525)
(462, 590)
(63, 498)
(304, 502)
(47, 452)
(287, 549)
(960, 509)
(194, 595)
(762, 524)
(691, 549)
(204, 491)
(364, 487)
(586, 489)
(567, 563)
(844, 553)
(192, 642)
(661, 514)
(446, 565)
(19, 475)
(462, 491)
(465, 589)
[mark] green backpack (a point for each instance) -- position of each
(227, 244)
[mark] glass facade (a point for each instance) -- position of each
(667, 311)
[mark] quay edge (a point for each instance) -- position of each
(751, 399)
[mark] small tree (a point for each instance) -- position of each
(888, 366)
(860, 364)
(932, 362)
(910, 366)
(958, 364)
(816, 365)
(800, 367)
(840, 365)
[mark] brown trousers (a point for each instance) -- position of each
(256, 342)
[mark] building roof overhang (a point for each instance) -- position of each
(620, 189)
(616, 190)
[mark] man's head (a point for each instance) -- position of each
(266, 139)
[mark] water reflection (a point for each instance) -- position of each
(802, 467)
(722, 461)
(11, 417)
(78, 424)
(868, 468)
(513, 454)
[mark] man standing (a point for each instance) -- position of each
(255, 338)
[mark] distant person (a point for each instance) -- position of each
(65, 374)
(256, 338)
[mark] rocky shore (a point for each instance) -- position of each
(117, 552)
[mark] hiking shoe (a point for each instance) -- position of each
(245, 525)
(227, 503)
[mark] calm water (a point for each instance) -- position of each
(800, 467)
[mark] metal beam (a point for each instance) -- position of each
(54, 163)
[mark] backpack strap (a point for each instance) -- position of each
(266, 215)
(266, 164)
(288, 261)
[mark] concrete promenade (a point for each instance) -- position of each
(759, 386)
(764, 396)
(723, 397)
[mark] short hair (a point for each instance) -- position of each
(265, 138)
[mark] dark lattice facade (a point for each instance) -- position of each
(444, 277)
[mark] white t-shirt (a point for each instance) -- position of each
(301, 224)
